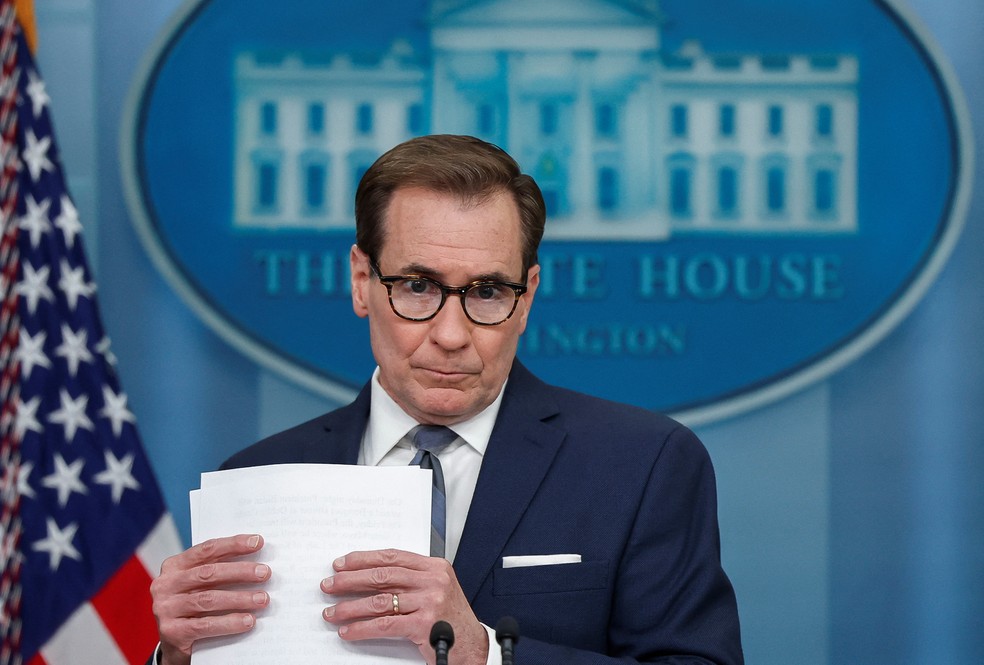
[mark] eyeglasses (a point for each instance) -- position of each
(417, 298)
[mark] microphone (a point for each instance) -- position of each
(442, 639)
(507, 634)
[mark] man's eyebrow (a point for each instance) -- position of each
(424, 271)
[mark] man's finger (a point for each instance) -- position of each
(180, 634)
(388, 626)
(211, 602)
(210, 576)
(376, 605)
(382, 558)
(210, 551)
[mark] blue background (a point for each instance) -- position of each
(187, 185)
(852, 512)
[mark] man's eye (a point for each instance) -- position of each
(488, 291)
(418, 286)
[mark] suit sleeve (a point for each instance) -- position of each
(673, 602)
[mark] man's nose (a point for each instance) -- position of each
(451, 328)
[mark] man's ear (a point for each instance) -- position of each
(532, 282)
(361, 280)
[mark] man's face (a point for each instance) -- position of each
(447, 369)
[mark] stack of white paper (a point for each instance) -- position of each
(309, 515)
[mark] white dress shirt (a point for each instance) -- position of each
(385, 443)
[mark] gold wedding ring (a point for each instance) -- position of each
(396, 604)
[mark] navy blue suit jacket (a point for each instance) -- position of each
(632, 492)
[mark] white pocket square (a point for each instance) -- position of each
(539, 560)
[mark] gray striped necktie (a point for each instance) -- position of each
(429, 440)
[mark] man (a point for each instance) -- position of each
(613, 506)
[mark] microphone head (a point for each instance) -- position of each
(507, 628)
(441, 630)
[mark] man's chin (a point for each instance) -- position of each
(446, 405)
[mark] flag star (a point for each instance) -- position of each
(73, 348)
(35, 220)
(65, 479)
(115, 409)
(73, 284)
(58, 543)
(23, 480)
(30, 352)
(103, 349)
(37, 92)
(68, 221)
(27, 417)
(35, 154)
(34, 286)
(118, 475)
(71, 414)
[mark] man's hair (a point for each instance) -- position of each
(461, 166)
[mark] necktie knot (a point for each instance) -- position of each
(432, 438)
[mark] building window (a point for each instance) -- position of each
(680, 192)
(549, 118)
(726, 120)
(680, 169)
(315, 180)
(316, 119)
(606, 121)
(678, 121)
(486, 119)
(415, 119)
(825, 121)
(364, 119)
(824, 192)
(824, 170)
(267, 186)
(550, 174)
(607, 188)
(775, 121)
(775, 185)
(268, 118)
(727, 191)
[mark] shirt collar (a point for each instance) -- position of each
(388, 424)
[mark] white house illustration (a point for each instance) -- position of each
(626, 140)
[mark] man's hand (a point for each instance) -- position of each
(192, 600)
(427, 590)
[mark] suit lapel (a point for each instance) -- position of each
(342, 436)
(519, 454)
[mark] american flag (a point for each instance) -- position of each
(84, 527)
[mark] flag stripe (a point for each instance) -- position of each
(162, 542)
(83, 640)
(128, 615)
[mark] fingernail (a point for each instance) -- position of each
(260, 598)
(248, 620)
(342, 630)
(329, 612)
(339, 563)
(327, 583)
(253, 542)
(262, 570)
